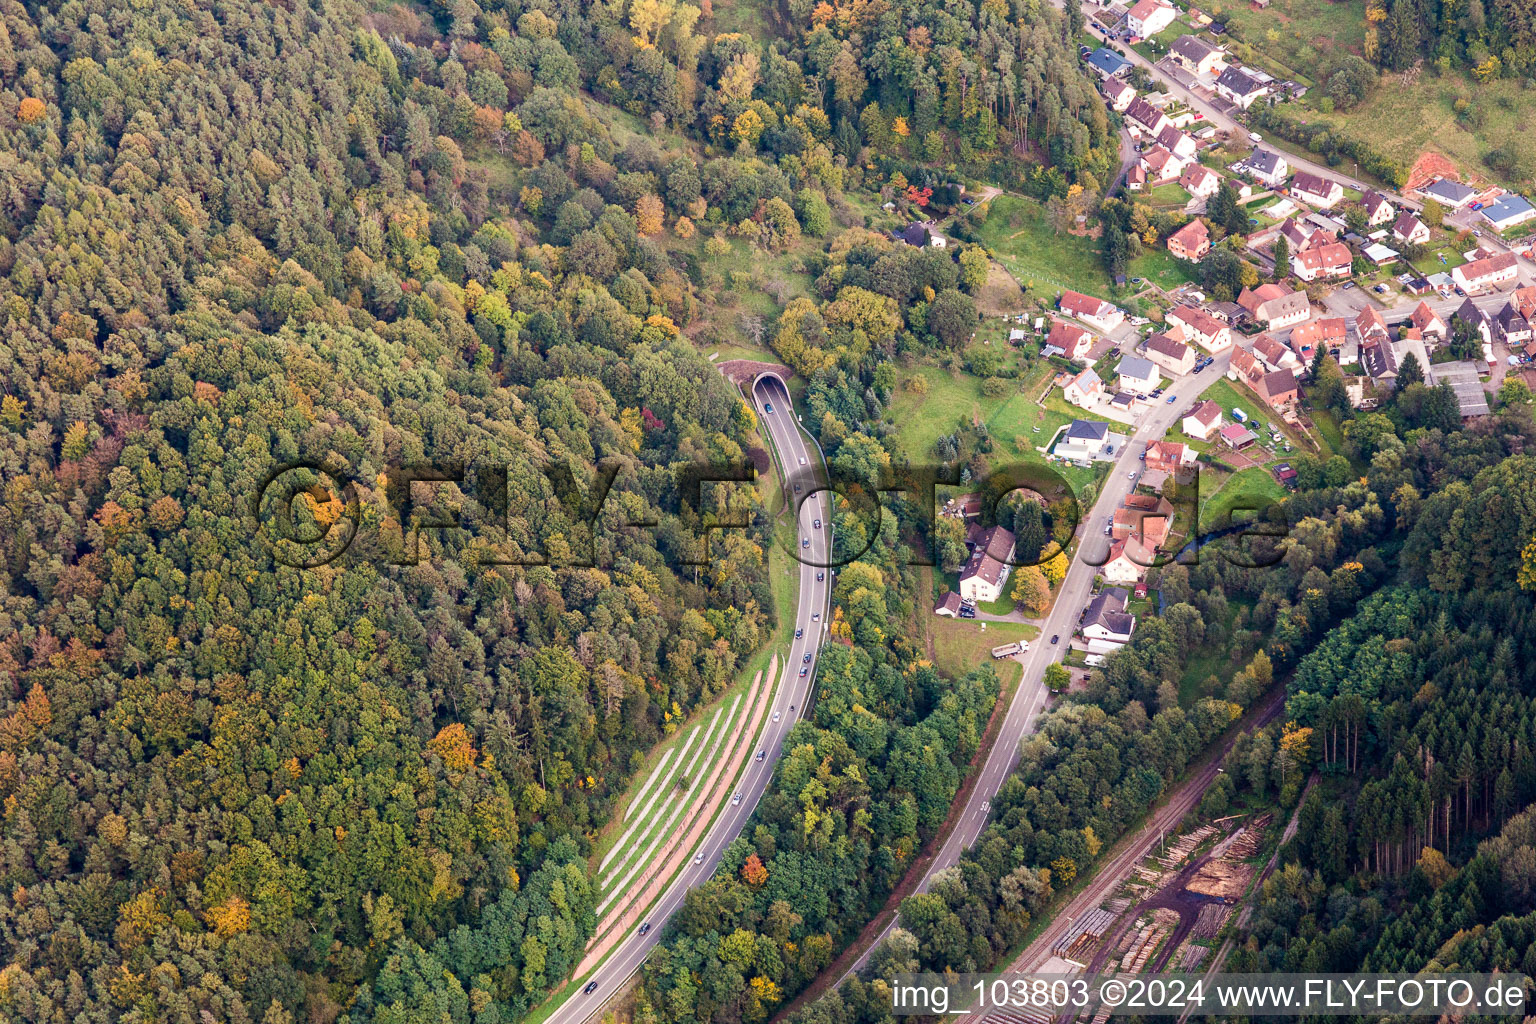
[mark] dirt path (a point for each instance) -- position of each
(677, 851)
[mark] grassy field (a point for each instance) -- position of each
(1042, 262)
(959, 645)
(1293, 34)
(1251, 488)
(952, 398)
(1157, 264)
(1169, 193)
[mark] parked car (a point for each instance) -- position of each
(1172, 399)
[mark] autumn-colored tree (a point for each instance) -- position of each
(753, 872)
(454, 746)
(648, 214)
(31, 110)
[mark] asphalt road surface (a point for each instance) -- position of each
(800, 459)
(1030, 696)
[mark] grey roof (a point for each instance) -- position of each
(1263, 161)
(1511, 205)
(1450, 191)
(1087, 430)
(1239, 81)
(1108, 61)
(1135, 366)
(1192, 48)
(1108, 609)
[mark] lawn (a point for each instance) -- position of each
(1169, 193)
(1043, 262)
(951, 399)
(1225, 394)
(1251, 488)
(959, 645)
(1294, 33)
(1430, 263)
(1329, 430)
(1157, 265)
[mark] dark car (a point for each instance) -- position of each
(817, 524)
(807, 658)
(591, 987)
(820, 576)
(804, 672)
(967, 613)
(1055, 637)
(799, 633)
(768, 407)
(805, 542)
(761, 754)
(645, 928)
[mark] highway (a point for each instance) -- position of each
(1072, 596)
(801, 461)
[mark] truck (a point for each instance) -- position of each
(1006, 650)
(1239, 415)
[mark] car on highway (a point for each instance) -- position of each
(799, 633)
(804, 672)
(645, 928)
(699, 858)
(807, 658)
(736, 800)
(591, 987)
(805, 542)
(761, 754)
(797, 488)
(775, 716)
(1055, 637)
(817, 524)
(768, 408)
(820, 577)
(802, 460)
(791, 709)
(815, 616)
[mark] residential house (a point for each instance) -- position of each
(1327, 332)
(1370, 326)
(1074, 342)
(1285, 475)
(1129, 560)
(1202, 328)
(1481, 322)
(1202, 421)
(1513, 329)
(1525, 301)
(1161, 166)
(1326, 261)
(1378, 208)
(1276, 355)
(1200, 181)
(1176, 142)
(1382, 360)
(1191, 242)
(1169, 456)
(1300, 235)
(1265, 166)
(1245, 366)
(1239, 86)
(1136, 177)
(948, 605)
(1486, 274)
(1229, 312)
(1275, 304)
(1172, 355)
(986, 571)
(1149, 17)
(1278, 389)
(1118, 94)
(1316, 190)
(1452, 195)
(1106, 625)
(1147, 117)
(921, 234)
(1196, 56)
(1085, 390)
(1428, 321)
(1108, 63)
(1083, 441)
(1408, 228)
(1508, 211)
(1098, 313)
(1137, 375)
